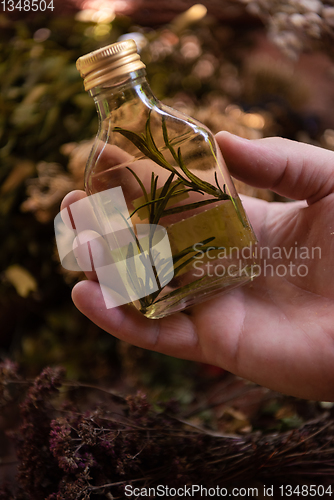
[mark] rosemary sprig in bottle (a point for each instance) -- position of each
(179, 182)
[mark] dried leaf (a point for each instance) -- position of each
(21, 279)
(21, 171)
(35, 93)
(234, 421)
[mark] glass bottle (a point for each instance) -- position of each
(175, 226)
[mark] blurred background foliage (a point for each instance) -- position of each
(224, 70)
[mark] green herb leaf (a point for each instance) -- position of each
(139, 182)
(189, 249)
(188, 206)
(131, 271)
(148, 203)
(166, 139)
(196, 181)
(162, 205)
(138, 141)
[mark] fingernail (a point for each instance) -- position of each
(232, 136)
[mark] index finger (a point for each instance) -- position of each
(292, 169)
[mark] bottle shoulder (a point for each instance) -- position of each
(156, 132)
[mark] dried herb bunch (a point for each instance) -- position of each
(72, 451)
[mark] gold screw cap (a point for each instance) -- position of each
(102, 65)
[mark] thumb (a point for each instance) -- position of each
(292, 169)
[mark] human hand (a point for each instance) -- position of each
(277, 331)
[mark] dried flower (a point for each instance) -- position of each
(8, 374)
(36, 461)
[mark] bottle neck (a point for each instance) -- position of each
(123, 89)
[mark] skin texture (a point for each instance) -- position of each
(276, 331)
